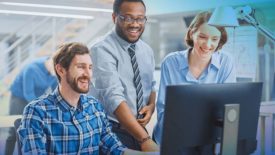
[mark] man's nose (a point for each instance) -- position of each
(88, 71)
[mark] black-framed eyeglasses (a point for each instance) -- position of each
(130, 20)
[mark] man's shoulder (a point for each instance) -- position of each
(91, 99)
(42, 103)
(175, 56)
(223, 56)
(34, 65)
(94, 103)
(144, 44)
(106, 41)
(37, 62)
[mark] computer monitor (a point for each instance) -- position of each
(192, 111)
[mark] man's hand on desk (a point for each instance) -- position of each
(133, 152)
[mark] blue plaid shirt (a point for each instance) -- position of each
(51, 126)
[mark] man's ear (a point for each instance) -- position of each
(59, 70)
(114, 17)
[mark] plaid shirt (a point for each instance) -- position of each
(51, 126)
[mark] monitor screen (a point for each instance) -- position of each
(192, 111)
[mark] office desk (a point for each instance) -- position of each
(7, 121)
(267, 112)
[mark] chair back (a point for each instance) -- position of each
(16, 126)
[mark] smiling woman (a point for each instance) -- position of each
(203, 62)
(206, 40)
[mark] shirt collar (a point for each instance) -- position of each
(123, 43)
(184, 54)
(215, 59)
(65, 105)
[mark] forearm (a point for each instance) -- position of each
(129, 122)
(152, 98)
(152, 101)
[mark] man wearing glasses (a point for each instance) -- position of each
(123, 75)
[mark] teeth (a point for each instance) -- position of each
(205, 50)
(133, 30)
(84, 81)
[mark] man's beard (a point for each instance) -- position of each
(73, 83)
(121, 33)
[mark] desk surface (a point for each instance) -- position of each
(7, 121)
(267, 107)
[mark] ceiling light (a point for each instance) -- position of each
(46, 14)
(57, 7)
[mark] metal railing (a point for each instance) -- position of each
(41, 35)
(26, 43)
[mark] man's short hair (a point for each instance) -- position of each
(118, 3)
(65, 54)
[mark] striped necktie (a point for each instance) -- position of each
(137, 79)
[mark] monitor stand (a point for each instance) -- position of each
(230, 129)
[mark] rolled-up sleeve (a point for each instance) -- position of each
(164, 81)
(106, 77)
(109, 140)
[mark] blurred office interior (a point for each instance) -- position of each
(34, 28)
